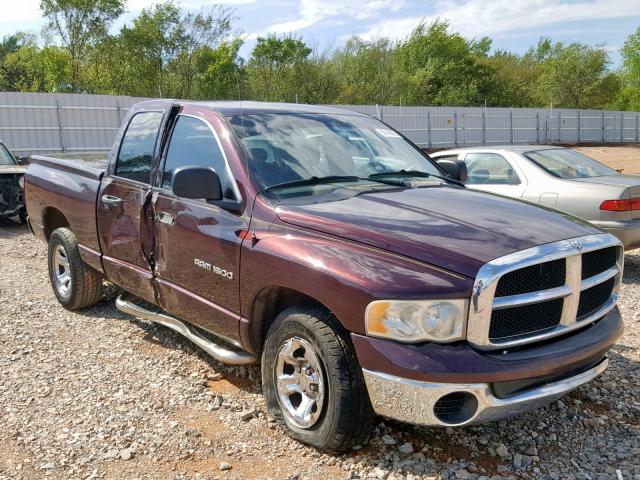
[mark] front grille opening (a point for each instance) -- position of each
(456, 407)
(595, 297)
(525, 320)
(511, 388)
(598, 261)
(533, 278)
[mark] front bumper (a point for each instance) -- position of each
(627, 231)
(406, 382)
(450, 404)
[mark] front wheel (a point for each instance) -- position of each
(75, 284)
(312, 382)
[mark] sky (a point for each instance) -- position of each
(514, 25)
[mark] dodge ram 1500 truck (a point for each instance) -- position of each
(322, 243)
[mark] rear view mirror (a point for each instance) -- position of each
(196, 183)
(456, 169)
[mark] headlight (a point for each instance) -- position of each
(415, 321)
(21, 181)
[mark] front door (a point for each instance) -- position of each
(492, 172)
(197, 248)
(123, 201)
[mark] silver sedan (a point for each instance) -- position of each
(559, 178)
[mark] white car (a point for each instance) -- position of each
(559, 178)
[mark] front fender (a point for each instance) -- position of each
(341, 275)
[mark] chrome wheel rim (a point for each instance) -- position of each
(300, 382)
(61, 271)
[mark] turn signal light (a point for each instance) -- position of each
(624, 205)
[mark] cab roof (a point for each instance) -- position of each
(250, 107)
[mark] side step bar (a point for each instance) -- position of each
(222, 354)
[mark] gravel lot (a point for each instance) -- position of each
(99, 394)
(625, 157)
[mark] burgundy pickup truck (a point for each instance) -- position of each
(363, 275)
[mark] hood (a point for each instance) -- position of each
(449, 227)
(12, 169)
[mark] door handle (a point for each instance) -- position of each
(166, 218)
(111, 200)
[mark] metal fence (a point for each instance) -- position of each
(438, 127)
(50, 123)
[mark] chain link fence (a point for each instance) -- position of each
(51, 123)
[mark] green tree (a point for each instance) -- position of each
(438, 67)
(365, 72)
(222, 76)
(275, 69)
(107, 67)
(167, 50)
(574, 76)
(30, 68)
(78, 23)
(201, 32)
(512, 80)
(629, 97)
(9, 44)
(151, 43)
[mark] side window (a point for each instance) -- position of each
(489, 169)
(137, 147)
(5, 157)
(194, 144)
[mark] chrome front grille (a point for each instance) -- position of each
(545, 291)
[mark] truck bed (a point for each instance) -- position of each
(90, 166)
(66, 189)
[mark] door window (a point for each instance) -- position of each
(489, 169)
(5, 157)
(194, 144)
(138, 144)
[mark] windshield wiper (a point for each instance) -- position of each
(329, 179)
(313, 181)
(413, 173)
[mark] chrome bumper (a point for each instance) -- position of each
(627, 231)
(415, 402)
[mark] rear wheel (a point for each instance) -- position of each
(75, 284)
(312, 382)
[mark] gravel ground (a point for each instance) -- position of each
(625, 157)
(99, 394)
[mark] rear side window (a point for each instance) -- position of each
(138, 144)
(489, 169)
(194, 144)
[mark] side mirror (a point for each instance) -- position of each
(456, 169)
(196, 183)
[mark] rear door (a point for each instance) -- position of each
(123, 222)
(197, 248)
(492, 172)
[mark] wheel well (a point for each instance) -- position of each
(52, 219)
(268, 304)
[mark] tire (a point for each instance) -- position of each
(75, 284)
(301, 341)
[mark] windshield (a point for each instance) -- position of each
(568, 164)
(288, 147)
(5, 157)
